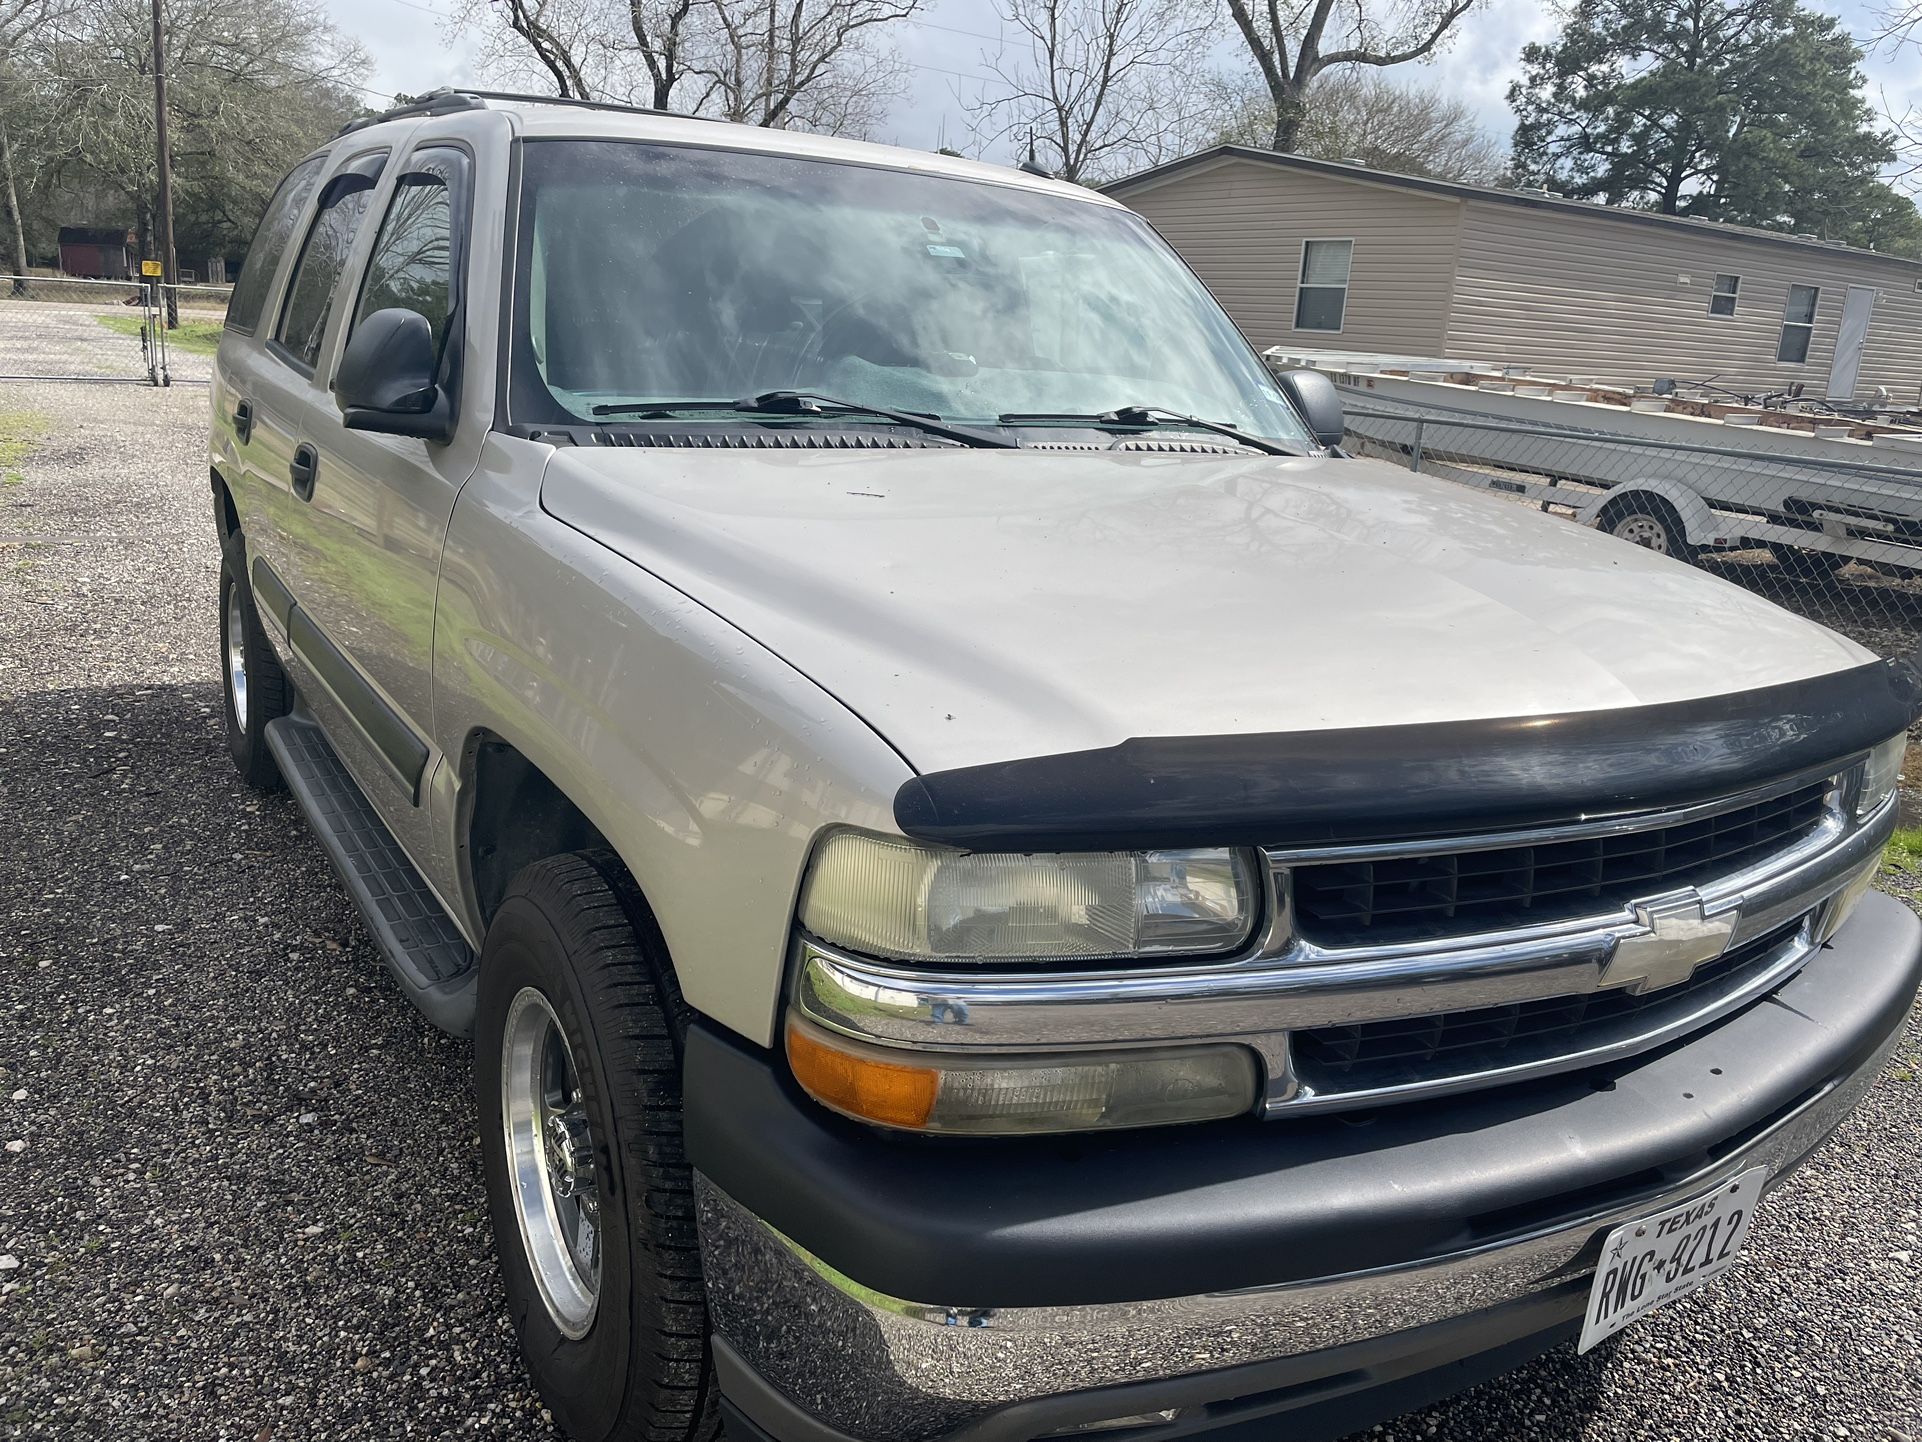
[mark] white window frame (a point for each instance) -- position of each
(1347, 284)
(1715, 293)
(1808, 325)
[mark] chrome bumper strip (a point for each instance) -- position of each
(1292, 983)
(892, 1370)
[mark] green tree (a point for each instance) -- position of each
(252, 86)
(1744, 111)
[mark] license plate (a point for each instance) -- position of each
(1656, 1259)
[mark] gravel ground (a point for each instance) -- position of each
(241, 1198)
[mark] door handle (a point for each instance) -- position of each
(244, 421)
(302, 468)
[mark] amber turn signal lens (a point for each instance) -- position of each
(874, 1091)
(989, 1095)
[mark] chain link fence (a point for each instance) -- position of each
(58, 328)
(187, 345)
(64, 329)
(1832, 531)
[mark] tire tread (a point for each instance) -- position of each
(641, 1022)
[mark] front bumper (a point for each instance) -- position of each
(1239, 1272)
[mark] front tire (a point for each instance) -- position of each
(1651, 523)
(254, 690)
(577, 1068)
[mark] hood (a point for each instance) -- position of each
(979, 606)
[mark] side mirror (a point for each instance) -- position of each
(387, 379)
(1315, 397)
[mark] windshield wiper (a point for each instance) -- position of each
(812, 403)
(1149, 417)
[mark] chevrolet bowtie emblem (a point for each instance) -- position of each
(1679, 937)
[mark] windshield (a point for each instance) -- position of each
(653, 273)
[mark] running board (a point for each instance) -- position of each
(417, 939)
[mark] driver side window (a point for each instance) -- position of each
(412, 266)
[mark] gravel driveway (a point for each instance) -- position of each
(241, 1195)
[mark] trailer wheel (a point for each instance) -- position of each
(1817, 567)
(1649, 522)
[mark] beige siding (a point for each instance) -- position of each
(1241, 225)
(1592, 295)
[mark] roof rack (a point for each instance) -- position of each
(435, 102)
(448, 100)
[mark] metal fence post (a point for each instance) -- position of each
(150, 329)
(1414, 461)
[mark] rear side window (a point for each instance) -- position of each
(412, 266)
(303, 318)
(269, 243)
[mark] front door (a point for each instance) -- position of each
(1850, 338)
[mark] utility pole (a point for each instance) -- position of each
(169, 275)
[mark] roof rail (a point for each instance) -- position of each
(456, 98)
(435, 102)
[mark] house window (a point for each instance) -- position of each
(1323, 295)
(1721, 300)
(1798, 324)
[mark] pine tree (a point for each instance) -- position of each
(1745, 111)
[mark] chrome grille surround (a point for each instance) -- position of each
(1789, 900)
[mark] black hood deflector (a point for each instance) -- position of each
(1387, 783)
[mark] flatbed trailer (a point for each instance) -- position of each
(1673, 482)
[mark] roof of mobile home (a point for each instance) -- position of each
(1532, 199)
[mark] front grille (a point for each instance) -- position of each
(1403, 898)
(1413, 1050)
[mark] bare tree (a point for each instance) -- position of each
(629, 50)
(18, 20)
(1293, 41)
(663, 31)
(1897, 23)
(1107, 86)
(1365, 116)
(536, 22)
(1897, 33)
(809, 64)
(791, 62)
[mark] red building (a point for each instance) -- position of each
(95, 252)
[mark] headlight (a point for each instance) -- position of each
(896, 899)
(1880, 775)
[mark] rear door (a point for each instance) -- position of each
(243, 362)
(282, 392)
(380, 503)
(374, 511)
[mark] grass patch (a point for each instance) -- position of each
(20, 432)
(196, 337)
(1905, 850)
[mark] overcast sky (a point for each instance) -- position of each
(414, 49)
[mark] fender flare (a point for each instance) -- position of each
(1698, 521)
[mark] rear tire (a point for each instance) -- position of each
(615, 1333)
(254, 690)
(1649, 522)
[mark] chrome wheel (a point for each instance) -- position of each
(236, 658)
(550, 1163)
(1644, 531)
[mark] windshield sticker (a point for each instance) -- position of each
(948, 252)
